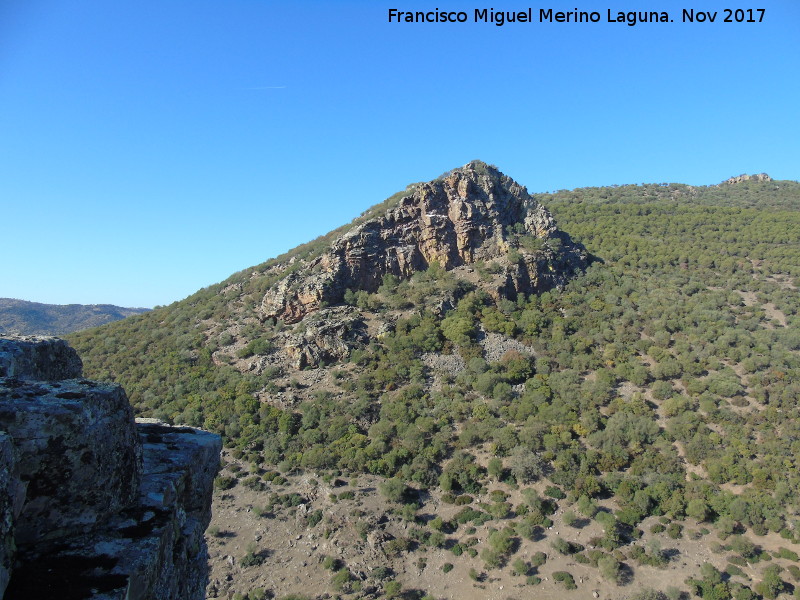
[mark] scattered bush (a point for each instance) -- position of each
(565, 578)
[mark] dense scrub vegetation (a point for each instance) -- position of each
(678, 351)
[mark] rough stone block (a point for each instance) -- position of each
(154, 549)
(93, 505)
(38, 358)
(78, 453)
(10, 491)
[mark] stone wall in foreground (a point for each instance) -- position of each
(95, 504)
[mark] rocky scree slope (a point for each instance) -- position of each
(92, 504)
(471, 214)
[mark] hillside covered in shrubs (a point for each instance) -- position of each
(656, 382)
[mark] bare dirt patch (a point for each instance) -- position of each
(281, 539)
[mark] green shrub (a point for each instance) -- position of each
(733, 570)
(222, 482)
(520, 567)
(675, 530)
(392, 589)
(393, 489)
(794, 571)
(252, 558)
(565, 578)
(341, 580)
(314, 518)
(787, 554)
(554, 492)
(257, 346)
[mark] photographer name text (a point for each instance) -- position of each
(549, 15)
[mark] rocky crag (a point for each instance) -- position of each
(759, 178)
(469, 215)
(92, 503)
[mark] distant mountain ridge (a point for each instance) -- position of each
(35, 318)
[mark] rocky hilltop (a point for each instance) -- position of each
(759, 178)
(471, 214)
(92, 503)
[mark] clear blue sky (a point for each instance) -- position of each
(150, 148)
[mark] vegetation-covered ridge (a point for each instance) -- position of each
(662, 383)
(34, 318)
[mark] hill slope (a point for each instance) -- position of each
(34, 318)
(632, 407)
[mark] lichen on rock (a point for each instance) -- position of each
(38, 358)
(93, 504)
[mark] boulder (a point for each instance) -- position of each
(327, 335)
(78, 454)
(38, 358)
(92, 503)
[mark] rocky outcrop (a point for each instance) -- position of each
(93, 504)
(70, 435)
(761, 177)
(9, 507)
(471, 214)
(38, 359)
(327, 336)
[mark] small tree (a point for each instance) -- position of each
(495, 467)
(392, 588)
(570, 518)
(393, 489)
(697, 509)
(610, 569)
(526, 466)
(772, 584)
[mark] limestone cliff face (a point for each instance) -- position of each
(92, 503)
(472, 214)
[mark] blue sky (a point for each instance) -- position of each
(150, 148)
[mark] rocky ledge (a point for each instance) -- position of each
(94, 504)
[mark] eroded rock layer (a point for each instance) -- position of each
(93, 504)
(38, 358)
(9, 492)
(466, 216)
